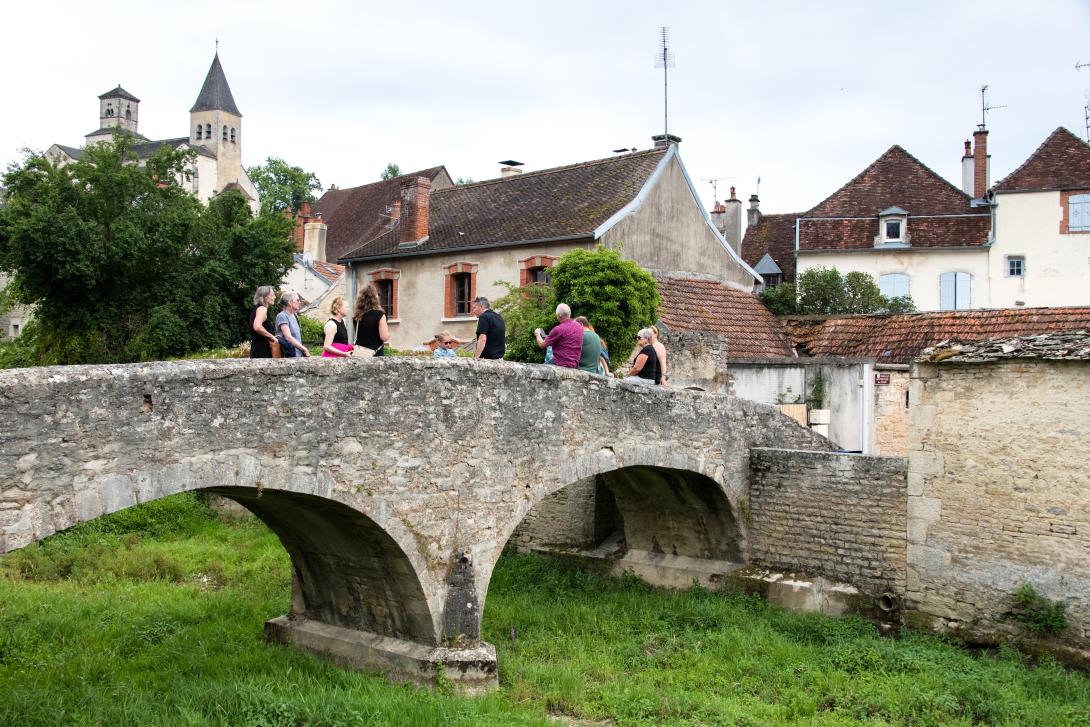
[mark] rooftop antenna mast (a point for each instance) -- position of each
(664, 59)
(985, 107)
(714, 181)
(1086, 108)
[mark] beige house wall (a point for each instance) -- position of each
(421, 287)
(891, 414)
(998, 491)
(1057, 266)
(923, 268)
(670, 232)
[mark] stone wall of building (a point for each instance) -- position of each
(891, 413)
(999, 490)
(841, 516)
(697, 360)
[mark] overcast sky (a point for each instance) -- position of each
(802, 94)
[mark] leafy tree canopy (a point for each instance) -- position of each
(824, 291)
(282, 186)
(122, 264)
(392, 170)
(617, 296)
(463, 180)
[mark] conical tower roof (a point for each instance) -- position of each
(215, 93)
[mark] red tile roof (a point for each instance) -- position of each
(775, 235)
(358, 214)
(900, 338)
(1062, 161)
(939, 214)
(561, 203)
(895, 179)
(329, 271)
(703, 305)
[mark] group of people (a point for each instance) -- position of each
(268, 335)
(572, 343)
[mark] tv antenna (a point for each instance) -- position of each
(664, 59)
(985, 107)
(714, 181)
(758, 192)
(1080, 66)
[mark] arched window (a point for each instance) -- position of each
(208, 131)
(232, 135)
(225, 132)
(894, 285)
(128, 114)
(199, 130)
(109, 110)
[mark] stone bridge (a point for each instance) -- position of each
(394, 484)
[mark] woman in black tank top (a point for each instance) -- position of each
(371, 329)
(336, 343)
(261, 325)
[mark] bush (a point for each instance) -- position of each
(311, 332)
(524, 309)
(1038, 613)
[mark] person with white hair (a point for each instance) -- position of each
(645, 369)
(566, 338)
(287, 326)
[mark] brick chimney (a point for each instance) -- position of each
(754, 211)
(981, 163)
(415, 196)
(395, 211)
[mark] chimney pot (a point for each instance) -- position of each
(732, 192)
(664, 140)
(414, 206)
(753, 214)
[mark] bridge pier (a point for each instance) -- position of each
(472, 669)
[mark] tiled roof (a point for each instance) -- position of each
(900, 338)
(358, 214)
(895, 179)
(236, 187)
(148, 149)
(215, 93)
(329, 271)
(775, 235)
(1062, 161)
(114, 130)
(71, 151)
(952, 231)
(553, 204)
(1062, 346)
(702, 305)
(119, 92)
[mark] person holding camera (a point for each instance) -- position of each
(566, 338)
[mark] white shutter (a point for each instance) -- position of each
(946, 291)
(962, 291)
(1078, 212)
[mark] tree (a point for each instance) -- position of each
(122, 264)
(617, 296)
(463, 180)
(282, 186)
(392, 170)
(824, 291)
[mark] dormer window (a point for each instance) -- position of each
(892, 227)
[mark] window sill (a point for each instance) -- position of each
(458, 319)
(892, 244)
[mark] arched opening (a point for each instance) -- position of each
(199, 130)
(346, 570)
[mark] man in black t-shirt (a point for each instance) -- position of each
(491, 330)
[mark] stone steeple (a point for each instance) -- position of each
(216, 124)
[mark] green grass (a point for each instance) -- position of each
(154, 616)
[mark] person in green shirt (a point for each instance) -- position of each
(592, 347)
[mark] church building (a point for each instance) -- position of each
(215, 132)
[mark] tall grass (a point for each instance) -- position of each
(154, 616)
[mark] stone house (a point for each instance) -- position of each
(215, 132)
(898, 221)
(440, 245)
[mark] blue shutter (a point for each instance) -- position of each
(946, 291)
(962, 290)
(894, 285)
(1078, 212)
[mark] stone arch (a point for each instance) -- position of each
(347, 571)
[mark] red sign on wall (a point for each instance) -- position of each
(881, 379)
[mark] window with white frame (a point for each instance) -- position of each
(955, 291)
(892, 224)
(1078, 213)
(1016, 266)
(894, 285)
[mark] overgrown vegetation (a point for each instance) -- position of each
(1038, 613)
(824, 291)
(282, 186)
(122, 263)
(617, 296)
(153, 616)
